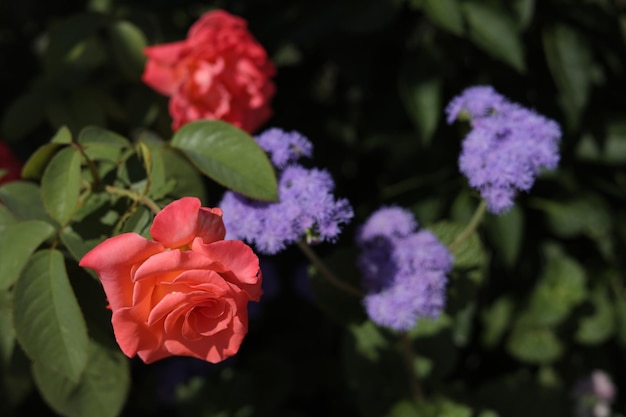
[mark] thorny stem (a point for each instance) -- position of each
(327, 273)
(471, 226)
(146, 201)
(409, 358)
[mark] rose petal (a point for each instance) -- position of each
(210, 225)
(176, 225)
(132, 334)
(236, 258)
(113, 260)
(160, 72)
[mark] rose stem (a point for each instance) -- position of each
(409, 358)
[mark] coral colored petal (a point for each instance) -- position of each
(113, 260)
(131, 333)
(177, 223)
(238, 258)
(210, 225)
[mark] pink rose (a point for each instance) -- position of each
(186, 292)
(219, 72)
(11, 166)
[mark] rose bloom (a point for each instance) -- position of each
(9, 164)
(186, 292)
(219, 72)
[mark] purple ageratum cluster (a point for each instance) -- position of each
(507, 146)
(306, 205)
(404, 270)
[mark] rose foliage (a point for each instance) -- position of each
(433, 206)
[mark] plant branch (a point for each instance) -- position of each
(327, 273)
(471, 226)
(145, 200)
(409, 358)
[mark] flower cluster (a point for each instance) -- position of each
(306, 205)
(186, 292)
(404, 270)
(219, 72)
(10, 166)
(594, 395)
(507, 146)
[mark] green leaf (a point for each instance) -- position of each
(470, 254)
(561, 287)
(102, 144)
(422, 100)
(524, 10)
(17, 244)
(229, 156)
(74, 243)
(445, 13)
(24, 201)
(7, 333)
(609, 150)
(6, 219)
(35, 165)
(24, 115)
(491, 29)
(63, 136)
(100, 392)
(60, 184)
(598, 327)
(533, 344)
(496, 320)
(570, 60)
(127, 43)
(48, 321)
(506, 232)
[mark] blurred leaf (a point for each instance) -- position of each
(470, 254)
(496, 319)
(524, 10)
(598, 327)
(24, 201)
(426, 327)
(6, 219)
(422, 100)
(74, 243)
(443, 407)
(445, 13)
(491, 29)
(69, 42)
(611, 150)
(48, 322)
(63, 136)
(17, 244)
(23, 115)
(229, 156)
(561, 287)
(534, 344)
(60, 184)
(100, 392)
(35, 165)
(139, 222)
(128, 42)
(7, 332)
(570, 61)
(506, 232)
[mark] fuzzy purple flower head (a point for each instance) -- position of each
(306, 205)
(506, 148)
(404, 270)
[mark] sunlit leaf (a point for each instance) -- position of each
(229, 156)
(17, 244)
(100, 392)
(60, 184)
(48, 321)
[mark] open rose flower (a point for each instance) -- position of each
(219, 72)
(186, 292)
(10, 166)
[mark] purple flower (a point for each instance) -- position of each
(404, 270)
(506, 148)
(594, 395)
(306, 205)
(284, 147)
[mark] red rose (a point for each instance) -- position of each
(219, 72)
(10, 166)
(186, 292)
